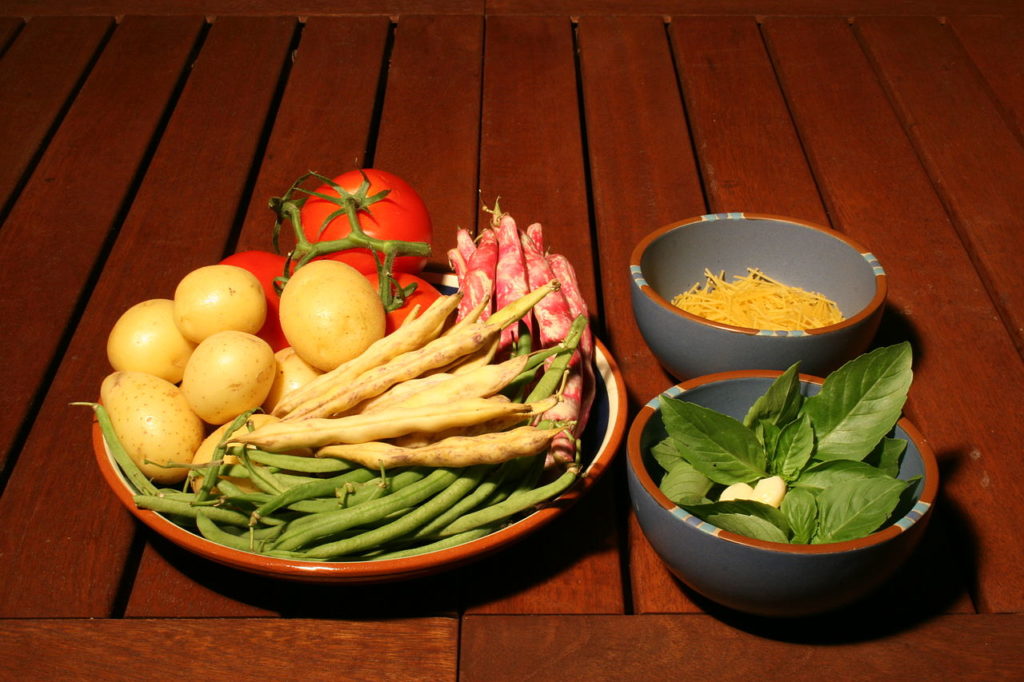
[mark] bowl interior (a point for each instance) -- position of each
(796, 254)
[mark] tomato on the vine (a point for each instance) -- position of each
(424, 295)
(401, 215)
(266, 266)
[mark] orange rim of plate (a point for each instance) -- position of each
(388, 569)
(921, 509)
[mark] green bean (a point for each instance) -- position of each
(474, 499)
(551, 380)
(261, 477)
(311, 465)
(128, 466)
(316, 487)
(318, 526)
(437, 545)
(184, 509)
(513, 505)
(212, 472)
(422, 514)
(252, 541)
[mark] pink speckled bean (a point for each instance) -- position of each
(510, 275)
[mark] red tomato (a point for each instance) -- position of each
(266, 266)
(400, 215)
(424, 295)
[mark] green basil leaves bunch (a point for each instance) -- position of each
(832, 450)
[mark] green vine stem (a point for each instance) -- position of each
(289, 210)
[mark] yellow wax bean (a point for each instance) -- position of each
(456, 451)
(415, 334)
(362, 428)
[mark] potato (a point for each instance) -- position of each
(146, 339)
(292, 372)
(218, 298)
(330, 313)
(153, 422)
(229, 373)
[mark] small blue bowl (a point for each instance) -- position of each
(673, 258)
(754, 576)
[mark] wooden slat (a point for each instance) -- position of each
(181, 218)
(532, 157)
(9, 27)
(643, 176)
(38, 73)
(747, 147)
(994, 45)
(323, 123)
(832, 8)
(435, 73)
(877, 191)
(420, 649)
(691, 646)
(82, 180)
(973, 158)
(245, 7)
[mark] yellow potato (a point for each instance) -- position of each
(153, 421)
(218, 298)
(146, 339)
(330, 313)
(292, 372)
(229, 373)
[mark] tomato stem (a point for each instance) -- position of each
(351, 204)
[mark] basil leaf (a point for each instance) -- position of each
(685, 485)
(859, 402)
(827, 474)
(793, 449)
(801, 512)
(744, 517)
(767, 435)
(665, 454)
(887, 454)
(780, 403)
(717, 445)
(854, 508)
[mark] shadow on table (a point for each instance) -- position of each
(938, 578)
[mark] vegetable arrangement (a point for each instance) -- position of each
(330, 405)
(803, 470)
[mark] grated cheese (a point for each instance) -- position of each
(757, 301)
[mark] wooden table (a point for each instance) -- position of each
(143, 139)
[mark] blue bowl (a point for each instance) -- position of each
(754, 576)
(673, 258)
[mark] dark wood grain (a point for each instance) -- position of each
(9, 28)
(565, 8)
(643, 176)
(948, 119)
(56, 231)
(531, 157)
(877, 192)
(324, 120)
(682, 646)
(435, 71)
(39, 72)
(749, 150)
(993, 44)
(181, 217)
(420, 649)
